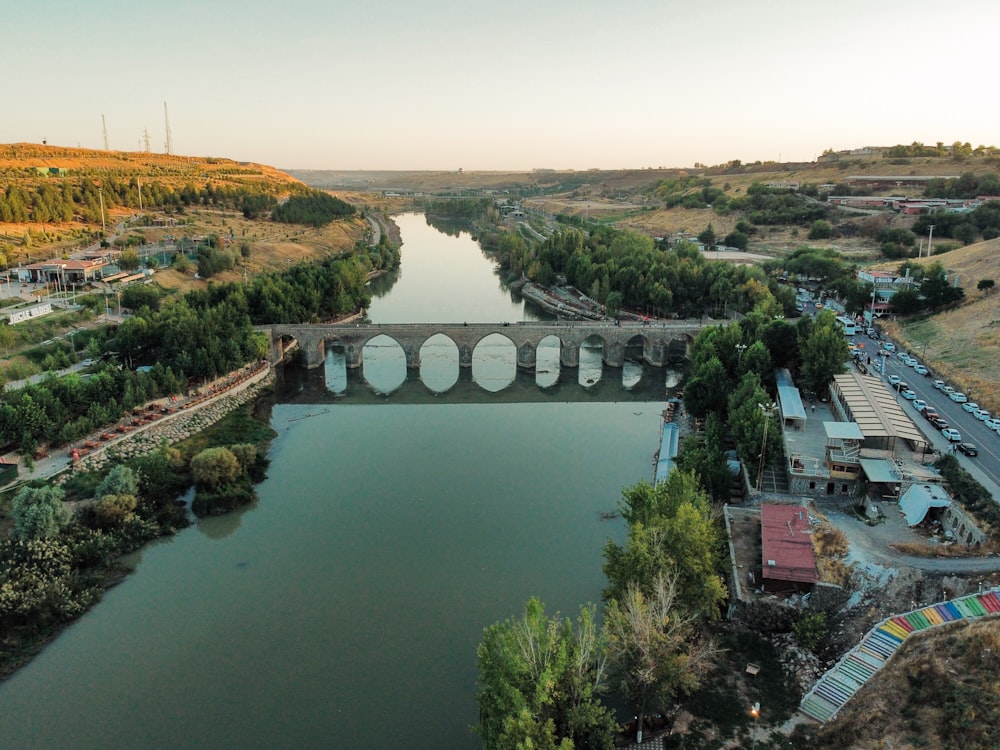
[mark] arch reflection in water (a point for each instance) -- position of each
(494, 369)
(591, 362)
(383, 364)
(494, 363)
(335, 370)
(439, 363)
(633, 368)
(547, 367)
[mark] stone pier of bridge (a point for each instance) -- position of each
(661, 342)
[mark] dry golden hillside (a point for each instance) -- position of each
(963, 344)
(939, 691)
(20, 160)
(273, 246)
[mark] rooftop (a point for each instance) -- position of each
(788, 553)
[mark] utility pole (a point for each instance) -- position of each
(104, 127)
(930, 238)
(166, 120)
(100, 192)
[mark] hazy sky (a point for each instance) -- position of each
(519, 84)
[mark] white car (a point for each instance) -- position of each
(947, 389)
(908, 395)
(981, 414)
(953, 436)
(919, 403)
(970, 406)
(894, 379)
(958, 397)
(938, 384)
(889, 346)
(994, 424)
(920, 369)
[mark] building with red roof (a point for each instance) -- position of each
(788, 560)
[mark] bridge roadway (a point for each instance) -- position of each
(661, 341)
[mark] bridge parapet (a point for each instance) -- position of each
(656, 339)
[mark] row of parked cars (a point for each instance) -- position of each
(951, 434)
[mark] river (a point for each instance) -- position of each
(344, 608)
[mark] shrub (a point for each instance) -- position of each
(214, 467)
(810, 629)
(821, 230)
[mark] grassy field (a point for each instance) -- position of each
(962, 345)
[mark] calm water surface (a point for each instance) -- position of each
(343, 610)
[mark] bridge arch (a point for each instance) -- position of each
(439, 363)
(661, 341)
(495, 361)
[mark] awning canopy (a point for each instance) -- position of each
(789, 398)
(880, 470)
(843, 431)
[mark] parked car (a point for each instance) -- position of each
(994, 424)
(958, 397)
(919, 404)
(939, 423)
(952, 435)
(894, 380)
(871, 333)
(938, 384)
(921, 370)
(981, 414)
(908, 394)
(889, 346)
(947, 389)
(970, 406)
(929, 412)
(968, 449)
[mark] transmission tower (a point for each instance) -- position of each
(104, 126)
(166, 120)
(145, 138)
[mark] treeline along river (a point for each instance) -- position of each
(344, 608)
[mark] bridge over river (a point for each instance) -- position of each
(661, 341)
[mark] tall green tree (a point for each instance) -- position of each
(671, 531)
(655, 654)
(824, 353)
(538, 683)
(753, 422)
(39, 513)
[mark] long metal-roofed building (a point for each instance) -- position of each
(867, 401)
(793, 413)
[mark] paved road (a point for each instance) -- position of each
(871, 543)
(986, 466)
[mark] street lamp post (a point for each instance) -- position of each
(100, 192)
(740, 348)
(768, 411)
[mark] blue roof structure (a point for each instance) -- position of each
(789, 398)
(669, 440)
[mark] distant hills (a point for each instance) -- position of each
(27, 162)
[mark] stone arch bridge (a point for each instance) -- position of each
(660, 341)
